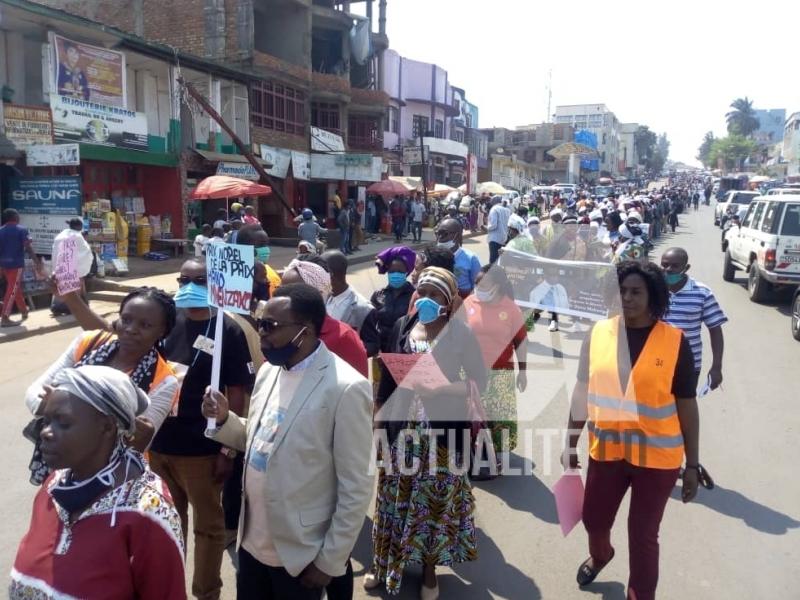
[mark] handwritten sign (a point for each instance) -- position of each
(409, 370)
(66, 267)
(230, 276)
(229, 268)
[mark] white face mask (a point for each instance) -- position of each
(449, 245)
(486, 295)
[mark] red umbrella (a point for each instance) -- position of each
(221, 187)
(388, 187)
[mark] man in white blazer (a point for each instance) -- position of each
(307, 442)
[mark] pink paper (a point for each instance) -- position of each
(409, 370)
(568, 492)
(66, 267)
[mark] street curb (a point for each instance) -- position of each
(112, 286)
(66, 323)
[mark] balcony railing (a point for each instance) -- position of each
(373, 143)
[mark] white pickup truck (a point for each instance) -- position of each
(766, 245)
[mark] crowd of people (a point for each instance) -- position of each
(310, 397)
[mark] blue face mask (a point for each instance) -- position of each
(396, 279)
(192, 295)
(262, 254)
(428, 310)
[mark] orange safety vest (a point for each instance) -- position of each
(93, 339)
(641, 425)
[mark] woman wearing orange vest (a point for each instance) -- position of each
(636, 395)
(130, 344)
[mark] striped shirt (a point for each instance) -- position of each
(690, 307)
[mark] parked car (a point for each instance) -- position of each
(766, 246)
(791, 188)
(796, 315)
(730, 204)
(732, 224)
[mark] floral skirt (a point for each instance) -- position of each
(425, 518)
(500, 402)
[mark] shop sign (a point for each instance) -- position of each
(240, 170)
(412, 155)
(301, 165)
(326, 141)
(89, 73)
(353, 160)
(27, 125)
(76, 120)
(53, 155)
(279, 158)
(44, 205)
(325, 166)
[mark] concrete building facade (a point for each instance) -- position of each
(770, 125)
(791, 146)
(598, 119)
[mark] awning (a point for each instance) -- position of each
(136, 157)
(222, 157)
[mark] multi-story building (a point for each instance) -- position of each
(102, 111)
(316, 105)
(770, 125)
(598, 119)
(519, 158)
(628, 158)
(425, 110)
(791, 146)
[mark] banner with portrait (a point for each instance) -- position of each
(89, 73)
(567, 287)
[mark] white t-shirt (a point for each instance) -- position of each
(418, 210)
(200, 243)
(257, 539)
(83, 258)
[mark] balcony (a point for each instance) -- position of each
(267, 64)
(325, 85)
(371, 143)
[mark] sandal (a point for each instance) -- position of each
(587, 574)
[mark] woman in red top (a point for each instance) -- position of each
(498, 324)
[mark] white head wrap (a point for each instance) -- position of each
(108, 390)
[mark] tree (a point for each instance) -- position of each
(704, 150)
(742, 119)
(662, 146)
(731, 150)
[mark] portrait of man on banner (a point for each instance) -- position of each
(71, 78)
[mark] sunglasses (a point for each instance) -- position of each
(270, 325)
(186, 280)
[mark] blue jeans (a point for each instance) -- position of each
(416, 229)
(344, 242)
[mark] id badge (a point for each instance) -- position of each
(204, 344)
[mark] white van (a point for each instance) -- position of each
(766, 245)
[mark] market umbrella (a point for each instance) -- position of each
(441, 189)
(387, 187)
(568, 148)
(492, 188)
(412, 183)
(759, 179)
(220, 187)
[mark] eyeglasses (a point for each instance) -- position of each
(270, 325)
(186, 280)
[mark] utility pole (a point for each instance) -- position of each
(265, 177)
(549, 94)
(424, 166)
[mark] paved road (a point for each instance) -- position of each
(741, 540)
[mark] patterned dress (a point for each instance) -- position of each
(424, 518)
(128, 544)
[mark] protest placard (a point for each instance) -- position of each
(229, 269)
(65, 268)
(568, 287)
(409, 370)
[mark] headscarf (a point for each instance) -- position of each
(404, 253)
(108, 390)
(442, 279)
(312, 274)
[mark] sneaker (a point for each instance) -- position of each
(553, 326)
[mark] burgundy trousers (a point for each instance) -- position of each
(606, 485)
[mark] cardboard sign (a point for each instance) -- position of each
(409, 370)
(230, 276)
(65, 267)
(568, 492)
